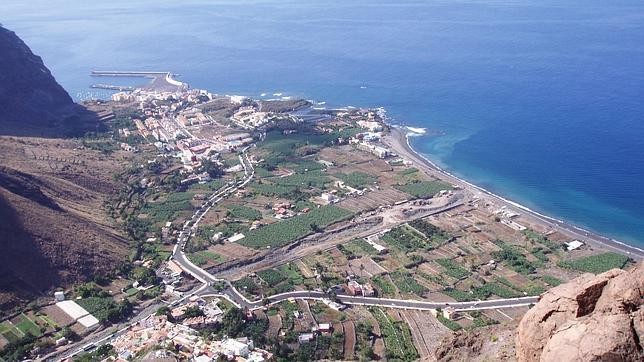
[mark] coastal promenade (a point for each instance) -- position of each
(398, 141)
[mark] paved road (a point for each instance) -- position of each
(229, 292)
(105, 335)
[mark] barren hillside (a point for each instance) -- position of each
(55, 230)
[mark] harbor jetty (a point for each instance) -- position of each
(160, 81)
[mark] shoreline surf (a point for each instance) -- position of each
(402, 139)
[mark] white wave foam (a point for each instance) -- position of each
(548, 219)
(416, 131)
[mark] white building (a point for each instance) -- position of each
(330, 197)
(575, 244)
(370, 125)
(305, 338)
(59, 296)
(235, 347)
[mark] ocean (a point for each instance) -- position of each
(540, 101)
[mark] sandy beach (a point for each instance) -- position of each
(398, 141)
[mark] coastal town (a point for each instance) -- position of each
(275, 229)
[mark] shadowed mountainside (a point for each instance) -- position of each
(54, 230)
(32, 103)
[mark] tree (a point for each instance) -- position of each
(213, 170)
(164, 310)
(315, 227)
(192, 312)
(233, 322)
(144, 276)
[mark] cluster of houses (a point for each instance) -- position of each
(211, 313)
(157, 332)
(356, 289)
(235, 140)
(250, 118)
(284, 210)
(320, 329)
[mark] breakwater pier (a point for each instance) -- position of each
(160, 81)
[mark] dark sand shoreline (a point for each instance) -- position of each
(398, 141)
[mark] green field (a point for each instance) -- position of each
(98, 307)
(27, 326)
(168, 208)
(11, 333)
(361, 245)
(357, 180)
(407, 284)
(398, 341)
(208, 186)
(406, 239)
(273, 190)
(272, 277)
(448, 323)
(513, 257)
(307, 179)
(384, 287)
(596, 263)
(452, 268)
(424, 189)
(244, 212)
(552, 281)
(284, 278)
(287, 231)
(203, 257)
(430, 231)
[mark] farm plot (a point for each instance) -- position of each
(365, 267)
(25, 325)
(407, 284)
(373, 199)
(357, 179)
(398, 340)
(349, 339)
(424, 189)
(232, 251)
(206, 257)
(281, 279)
(384, 286)
(426, 331)
(359, 247)
(596, 263)
(168, 208)
(244, 212)
(406, 239)
(437, 235)
(287, 231)
(452, 268)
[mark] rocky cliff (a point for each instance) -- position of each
(591, 318)
(32, 103)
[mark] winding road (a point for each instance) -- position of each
(233, 295)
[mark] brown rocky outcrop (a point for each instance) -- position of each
(591, 318)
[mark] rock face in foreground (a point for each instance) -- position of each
(27, 88)
(591, 318)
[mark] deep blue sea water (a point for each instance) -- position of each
(541, 101)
